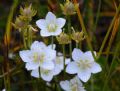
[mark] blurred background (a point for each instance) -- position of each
(97, 16)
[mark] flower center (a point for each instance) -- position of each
(45, 71)
(52, 27)
(38, 58)
(84, 64)
(74, 87)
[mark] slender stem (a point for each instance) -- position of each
(77, 45)
(5, 84)
(114, 31)
(52, 41)
(39, 79)
(84, 30)
(97, 16)
(63, 47)
(24, 39)
(92, 83)
(108, 74)
(69, 30)
(109, 29)
(29, 37)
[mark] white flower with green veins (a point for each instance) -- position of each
(47, 75)
(83, 65)
(39, 55)
(50, 26)
(72, 85)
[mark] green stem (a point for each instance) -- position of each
(63, 47)
(5, 84)
(110, 69)
(39, 79)
(77, 45)
(84, 30)
(97, 16)
(24, 39)
(109, 29)
(69, 30)
(92, 83)
(52, 41)
(29, 37)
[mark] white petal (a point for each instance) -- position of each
(88, 55)
(65, 85)
(84, 76)
(35, 73)
(59, 62)
(46, 75)
(45, 33)
(38, 46)
(49, 65)
(32, 65)
(4, 90)
(60, 22)
(50, 46)
(72, 68)
(50, 17)
(56, 71)
(77, 54)
(76, 80)
(57, 32)
(25, 55)
(41, 24)
(67, 60)
(50, 54)
(95, 68)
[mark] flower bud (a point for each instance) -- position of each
(63, 38)
(78, 36)
(19, 23)
(28, 11)
(69, 8)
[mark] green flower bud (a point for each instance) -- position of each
(69, 8)
(77, 36)
(63, 38)
(19, 23)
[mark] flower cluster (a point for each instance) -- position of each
(23, 20)
(45, 62)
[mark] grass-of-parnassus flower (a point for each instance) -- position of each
(39, 55)
(83, 65)
(72, 85)
(47, 75)
(50, 26)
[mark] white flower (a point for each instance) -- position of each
(83, 65)
(47, 75)
(50, 26)
(4, 90)
(38, 56)
(72, 85)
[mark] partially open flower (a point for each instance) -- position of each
(78, 36)
(69, 8)
(63, 38)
